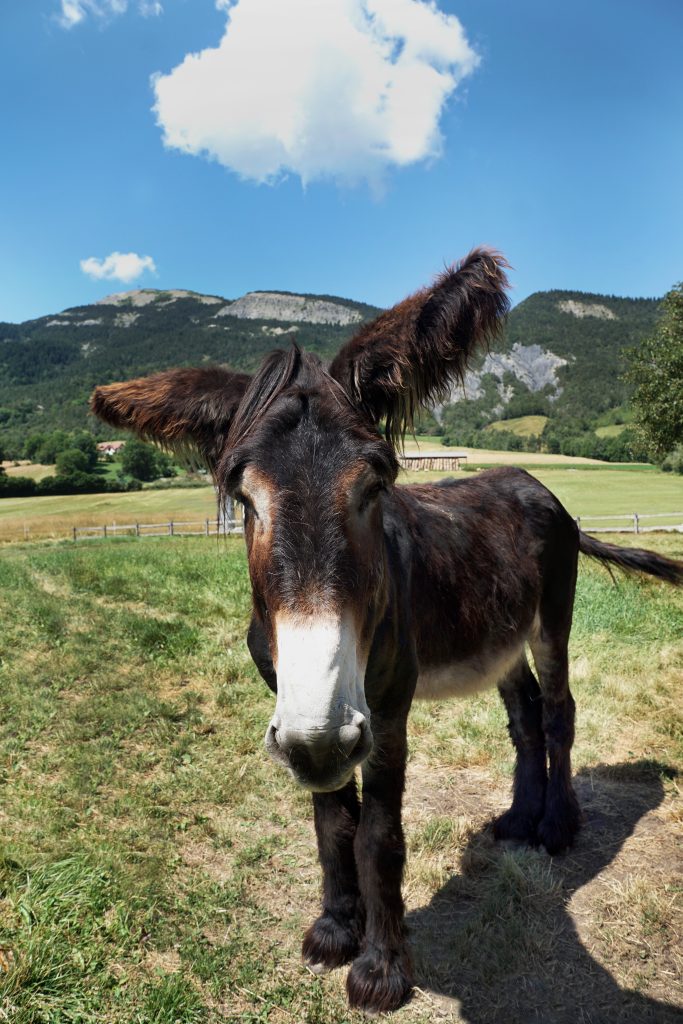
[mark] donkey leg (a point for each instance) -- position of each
(561, 816)
(380, 979)
(334, 938)
(522, 698)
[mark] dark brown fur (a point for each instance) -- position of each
(406, 358)
(446, 581)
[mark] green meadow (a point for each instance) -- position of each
(585, 488)
(156, 867)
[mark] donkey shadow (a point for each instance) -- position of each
(499, 939)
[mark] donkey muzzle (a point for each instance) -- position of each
(320, 758)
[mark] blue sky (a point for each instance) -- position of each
(554, 132)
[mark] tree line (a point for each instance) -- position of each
(79, 468)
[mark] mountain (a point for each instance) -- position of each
(49, 366)
(562, 352)
(573, 346)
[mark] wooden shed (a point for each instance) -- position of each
(444, 460)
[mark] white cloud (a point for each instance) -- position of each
(119, 266)
(150, 8)
(73, 12)
(342, 89)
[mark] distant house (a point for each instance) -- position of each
(110, 447)
(433, 460)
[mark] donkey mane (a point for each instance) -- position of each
(302, 374)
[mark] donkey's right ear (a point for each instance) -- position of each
(186, 410)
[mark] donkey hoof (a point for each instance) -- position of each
(515, 825)
(558, 835)
(377, 984)
(328, 944)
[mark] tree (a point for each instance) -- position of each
(139, 460)
(71, 461)
(86, 443)
(657, 373)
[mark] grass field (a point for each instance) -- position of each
(522, 426)
(55, 516)
(157, 868)
(33, 470)
(611, 430)
(587, 489)
(484, 456)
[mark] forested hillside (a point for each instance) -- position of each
(49, 366)
(562, 355)
(592, 333)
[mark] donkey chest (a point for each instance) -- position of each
(463, 677)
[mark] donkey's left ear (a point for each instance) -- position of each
(411, 355)
(188, 411)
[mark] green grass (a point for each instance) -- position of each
(587, 490)
(613, 491)
(522, 426)
(584, 490)
(156, 867)
(611, 430)
(55, 516)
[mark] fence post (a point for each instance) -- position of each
(74, 533)
(206, 528)
(137, 529)
(170, 529)
(104, 530)
(636, 525)
(229, 515)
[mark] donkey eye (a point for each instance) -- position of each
(370, 495)
(246, 504)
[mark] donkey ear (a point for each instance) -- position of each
(186, 410)
(411, 355)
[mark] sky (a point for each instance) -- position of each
(344, 147)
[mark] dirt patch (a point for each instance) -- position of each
(515, 935)
(165, 961)
(203, 856)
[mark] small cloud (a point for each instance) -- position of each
(119, 266)
(343, 89)
(150, 8)
(73, 12)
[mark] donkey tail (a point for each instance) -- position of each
(633, 559)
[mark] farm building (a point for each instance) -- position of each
(110, 447)
(433, 460)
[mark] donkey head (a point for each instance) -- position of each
(300, 446)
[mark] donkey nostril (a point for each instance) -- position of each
(299, 758)
(272, 743)
(349, 738)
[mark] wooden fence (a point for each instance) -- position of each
(174, 528)
(637, 522)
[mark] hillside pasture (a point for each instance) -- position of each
(33, 470)
(157, 867)
(611, 430)
(522, 426)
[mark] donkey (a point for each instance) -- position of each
(366, 594)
